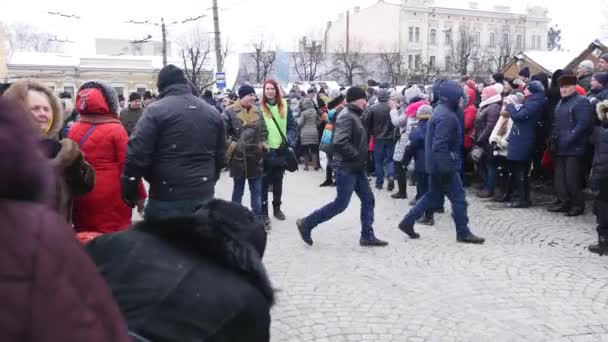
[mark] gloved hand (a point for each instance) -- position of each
(130, 190)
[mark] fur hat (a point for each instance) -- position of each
(535, 87)
(170, 75)
(411, 93)
(245, 90)
(587, 65)
(18, 91)
(355, 93)
(424, 112)
(601, 77)
(602, 110)
(568, 80)
(525, 72)
(101, 99)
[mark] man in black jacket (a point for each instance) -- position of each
(379, 125)
(178, 146)
(349, 160)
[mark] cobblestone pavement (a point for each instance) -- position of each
(533, 280)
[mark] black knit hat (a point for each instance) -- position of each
(355, 93)
(245, 90)
(525, 72)
(134, 96)
(604, 57)
(601, 77)
(170, 75)
(499, 77)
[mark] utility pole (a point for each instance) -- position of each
(347, 31)
(164, 33)
(218, 42)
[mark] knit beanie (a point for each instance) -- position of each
(601, 77)
(355, 93)
(424, 112)
(490, 91)
(245, 90)
(604, 57)
(525, 72)
(587, 65)
(535, 87)
(170, 75)
(411, 93)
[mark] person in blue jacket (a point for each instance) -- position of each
(522, 139)
(442, 146)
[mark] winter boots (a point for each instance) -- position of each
(601, 247)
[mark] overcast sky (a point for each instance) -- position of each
(280, 21)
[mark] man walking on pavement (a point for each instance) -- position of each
(349, 159)
(129, 116)
(442, 146)
(378, 122)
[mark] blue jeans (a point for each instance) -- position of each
(347, 183)
(491, 174)
(449, 185)
(255, 191)
(383, 153)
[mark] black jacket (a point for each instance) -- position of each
(350, 140)
(378, 121)
(198, 278)
(178, 146)
(573, 125)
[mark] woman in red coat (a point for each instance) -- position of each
(469, 119)
(103, 140)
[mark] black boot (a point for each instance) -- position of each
(391, 184)
(279, 214)
(601, 247)
(304, 233)
(372, 241)
(409, 230)
(471, 238)
(329, 177)
(559, 207)
(428, 219)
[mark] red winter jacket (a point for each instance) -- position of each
(470, 112)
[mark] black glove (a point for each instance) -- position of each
(130, 190)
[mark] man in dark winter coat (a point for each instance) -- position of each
(571, 130)
(584, 74)
(599, 181)
(51, 291)
(130, 116)
(378, 121)
(350, 161)
(178, 146)
(193, 278)
(208, 97)
(599, 88)
(443, 143)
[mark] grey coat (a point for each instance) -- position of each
(308, 123)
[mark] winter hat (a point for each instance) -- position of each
(535, 87)
(450, 93)
(170, 75)
(383, 85)
(424, 112)
(604, 57)
(568, 80)
(245, 90)
(97, 97)
(312, 90)
(498, 77)
(411, 93)
(489, 92)
(208, 94)
(601, 77)
(134, 96)
(147, 95)
(383, 95)
(355, 93)
(525, 72)
(587, 65)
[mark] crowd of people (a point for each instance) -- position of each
(80, 169)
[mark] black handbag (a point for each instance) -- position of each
(286, 151)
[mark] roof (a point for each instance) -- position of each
(41, 59)
(550, 60)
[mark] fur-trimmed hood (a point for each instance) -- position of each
(18, 91)
(602, 110)
(88, 103)
(224, 232)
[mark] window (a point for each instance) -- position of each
(477, 41)
(538, 42)
(518, 42)
(120, 91)
(418, 62)
(433, 39)
(476, 64)
(432, 62)
(505, 39)
(410, 62)
(141, 91)
(448, 63)
(69, 90)
(417, 34)
(411, 31)
(448, 37)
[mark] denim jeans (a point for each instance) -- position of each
(255, 191)
(422, 184)
(346, 183)
(383, 154)
(449, 185)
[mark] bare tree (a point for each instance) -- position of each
(24, 37)
(349, 64)
(196, 52)
(308, 59)
(393, 66)
(426, 74)
(224, 53)
(464, 50)
(497, 58)
(264, 59)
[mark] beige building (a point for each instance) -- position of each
(3, 52)
(427, 34)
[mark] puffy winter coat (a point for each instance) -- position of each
(378, 120)
(405, 123)
(597, 96)
(470, 112)
(572, 126)
(350, 140)
(415, 148)
(485, 122)
(191, 279)
(308, 123)
(523, 133)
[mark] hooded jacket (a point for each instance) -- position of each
(51, 291)
(470, 112)
(190, 279)
(522, 138)
(486, 121)
(378, 119)
(350, 140)
(308, 123)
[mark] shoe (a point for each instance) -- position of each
(379, 187)
(601, 247)
(485, 194)
(279, 215)
(399, 195)
(575, 212)
(391, 185)
(471, 239)
(440, 211)
(502, 199)
(413, 203)
(519, 205)
(333, 185)
(409, 230)
(267, 224)
(326, 184)
(559, 208)
(426, 221)
(372, 242)
(304, 233)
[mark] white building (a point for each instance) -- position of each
(426, 34)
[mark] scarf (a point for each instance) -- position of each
(494, 99)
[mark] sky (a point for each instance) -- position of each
(280, 22)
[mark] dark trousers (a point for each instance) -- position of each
(520, 172)
(272, 176)
(600, 207)
(346, 183)
(401, 173)
(568, 181)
